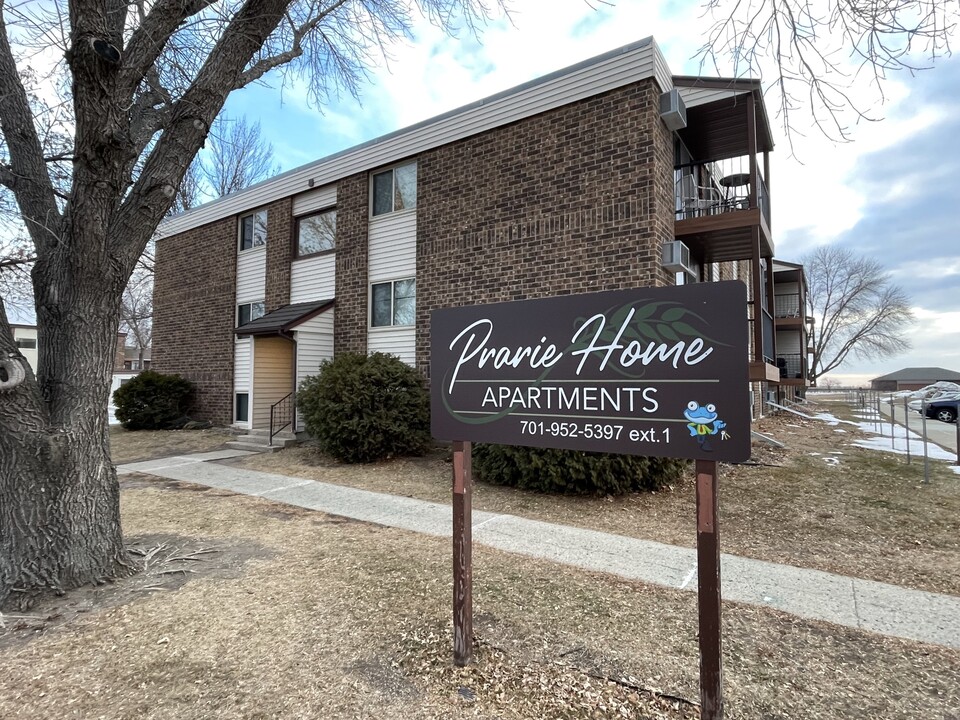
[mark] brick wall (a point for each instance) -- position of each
(193, 320)
(120, 351)
(350, 321)
(577, 199)
(279, 253)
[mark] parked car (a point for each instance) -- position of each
(944, 410)
(917, 404)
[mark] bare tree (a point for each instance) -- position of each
(146, 81)
(829, 58)
(856, 309)
(136, 311)
(238, 156)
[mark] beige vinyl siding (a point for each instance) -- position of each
(399, 341)
(313, 278)
(272, 376)
(310, 202)
(242, 375)
(393, 256)
(314, 345)
(617, 68)
(393, 246)
(693, 96)
(251, 275)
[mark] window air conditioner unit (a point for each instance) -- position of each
(672, 110)
(676, 258)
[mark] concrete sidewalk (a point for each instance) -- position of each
(812, 594)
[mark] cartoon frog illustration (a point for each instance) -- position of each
(703, 422)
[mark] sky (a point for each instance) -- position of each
(892, 192)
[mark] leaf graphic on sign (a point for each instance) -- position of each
(667, 332)
(673, 314)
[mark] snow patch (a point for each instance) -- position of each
(934, 451)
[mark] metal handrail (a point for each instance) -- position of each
(282, 408)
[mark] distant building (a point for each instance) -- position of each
(136, 358)
(25, 336)
(913, 379)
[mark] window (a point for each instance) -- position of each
(253, 230)
(395, 189)
(249, 311)
(317, 233)
(393, 303)
(27, 343)
(242, 409)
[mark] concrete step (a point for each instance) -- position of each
(253, 446)
(259, 441)
(258, 432)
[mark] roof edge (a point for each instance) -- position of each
(639, 60)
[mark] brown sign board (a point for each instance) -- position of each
(661, 372)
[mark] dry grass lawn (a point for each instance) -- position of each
(289, 613)
(132, 446)
(868, 516)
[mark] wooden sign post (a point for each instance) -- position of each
(462, 555)
(708, 589)
(660, 372)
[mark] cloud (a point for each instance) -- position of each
(436, 73)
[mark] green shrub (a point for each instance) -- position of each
(362, 408)
(572, 472)
(153, 401)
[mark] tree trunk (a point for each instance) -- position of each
(59, 495)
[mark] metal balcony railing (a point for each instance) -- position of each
(791, 365)
(712, 188)
(786, 306)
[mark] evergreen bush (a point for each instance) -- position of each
(362, 408)
(572, 472)
(153, 401)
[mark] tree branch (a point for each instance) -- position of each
(265, 65)
(26, 174)
(153, 191)
(16, 262)
(149, 39)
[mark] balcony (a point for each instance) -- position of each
(762, 367)
(717, 210)
(793, 369)
(722, 194)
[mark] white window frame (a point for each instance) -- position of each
(296, 240)
(393, 298)
(253, 240)
(393, 174)
(263, 305)
(236, 419)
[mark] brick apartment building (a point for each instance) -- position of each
(609, 174)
